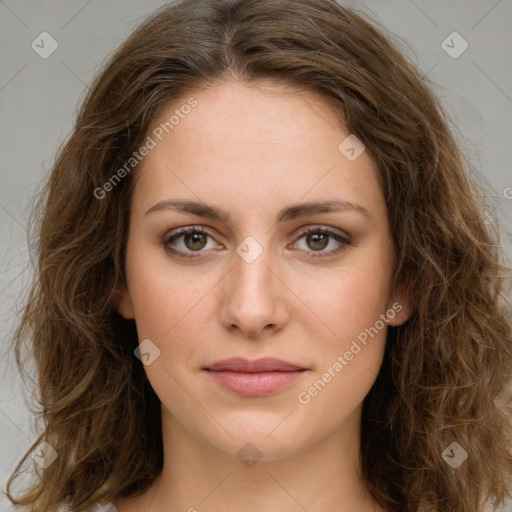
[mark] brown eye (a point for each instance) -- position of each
(195, 241)
(317, 239)
(187, 241)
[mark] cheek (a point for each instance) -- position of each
(363, 296)
(351, 337)
(347, 301)
(351, 357)
(173, 311)
(161, 300)
(334, 394)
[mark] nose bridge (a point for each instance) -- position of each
(253, 298)
(253, 276)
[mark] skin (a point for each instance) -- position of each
(253, 150)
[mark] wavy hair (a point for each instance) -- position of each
(446, 376)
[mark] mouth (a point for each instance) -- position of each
(254, 378)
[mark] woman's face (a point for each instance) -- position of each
(247, 172)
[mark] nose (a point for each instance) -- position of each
(254, 297)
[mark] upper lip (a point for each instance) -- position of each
(265, 364)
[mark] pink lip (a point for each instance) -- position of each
(254, 378)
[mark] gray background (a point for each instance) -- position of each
(39, 97)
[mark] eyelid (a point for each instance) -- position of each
(327, 229)
(184, 230)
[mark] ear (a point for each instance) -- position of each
(399, 307)
(122, 301)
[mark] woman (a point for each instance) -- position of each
(264, 280)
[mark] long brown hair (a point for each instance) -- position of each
(447, 370)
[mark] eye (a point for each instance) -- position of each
(184, 242)
(194, 240)
(318, 238)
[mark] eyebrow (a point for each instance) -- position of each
(288, 213)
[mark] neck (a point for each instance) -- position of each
(196, 476)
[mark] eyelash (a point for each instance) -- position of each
(171, 237)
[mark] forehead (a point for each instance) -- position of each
(265, 111)
(266, 140)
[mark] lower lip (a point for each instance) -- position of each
(254, 384)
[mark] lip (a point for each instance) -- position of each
(254, 378)
(264, 364)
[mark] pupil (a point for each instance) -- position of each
(318, 239)
(196, 239)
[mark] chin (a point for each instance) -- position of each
(256, 437)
